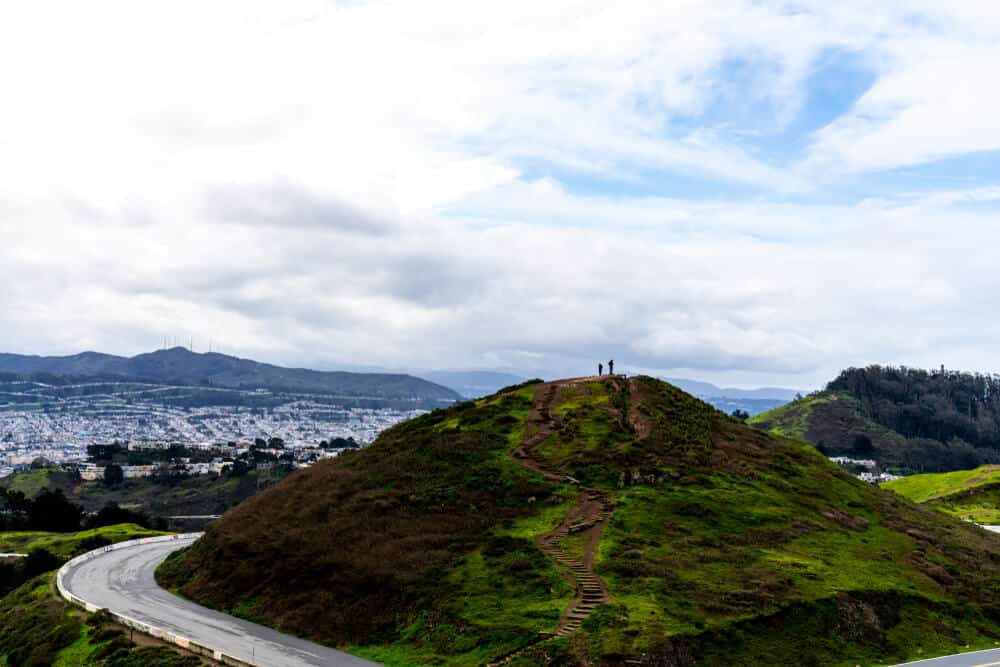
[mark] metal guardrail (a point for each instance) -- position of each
(129, 622)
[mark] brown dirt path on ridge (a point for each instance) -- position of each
(589, 515)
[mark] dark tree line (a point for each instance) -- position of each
(950, 419)
(938, 405)
(52, 511)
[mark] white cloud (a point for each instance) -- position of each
(378, 183)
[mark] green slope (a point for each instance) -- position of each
(727, 545)
(835, 423)
(968, 494)
(38, 628)
(67, 545)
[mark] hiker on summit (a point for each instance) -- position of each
(600, 370)
(611, 367)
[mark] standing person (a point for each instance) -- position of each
(600, 370)
(611, 367)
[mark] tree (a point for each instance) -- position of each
(40, 561)
(862, 446)
(742, 415)
(275, 443)
(52, 511)
(103, 453)
(113, 475)
(111, 514)
(239, 468)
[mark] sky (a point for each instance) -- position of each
(743, 192)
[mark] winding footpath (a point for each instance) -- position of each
(588, 517)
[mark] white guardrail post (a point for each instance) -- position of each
(129, 622)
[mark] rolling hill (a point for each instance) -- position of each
(973, 495)
(595, 521)
(180, 366)
(908, 420)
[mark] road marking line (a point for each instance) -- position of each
(988, 664)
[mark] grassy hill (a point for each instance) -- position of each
(626, 518)
(68, 545)
(907, 419)
(968, 494)
(834, 421)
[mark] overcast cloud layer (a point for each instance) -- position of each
(744, 192)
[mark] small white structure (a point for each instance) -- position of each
(132, 472)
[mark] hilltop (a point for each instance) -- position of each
(906, 419)
(973, 495)
(592, 521)
(180, 366)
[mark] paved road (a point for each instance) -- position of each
(971, 659)
(122, 581)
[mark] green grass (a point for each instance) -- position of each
(67, 545)
(972, 495)
(39, 628)
(792, 419)
(33, 482)
(922, 488)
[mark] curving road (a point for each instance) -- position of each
(984, 658)
(122, 581)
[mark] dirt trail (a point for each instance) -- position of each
(589, 515)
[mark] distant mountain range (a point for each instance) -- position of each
(705, 390)
(473, 384)
(751, 401)
(180, 366)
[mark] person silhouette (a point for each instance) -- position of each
(611, 367)
(600, 370)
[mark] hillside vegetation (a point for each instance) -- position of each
(183, 495)
(725, 545)
(907, 419)
(68, 545)
(47, 551)
(968, 494)
(38, 629)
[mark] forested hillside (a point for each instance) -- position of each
(910, 419)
